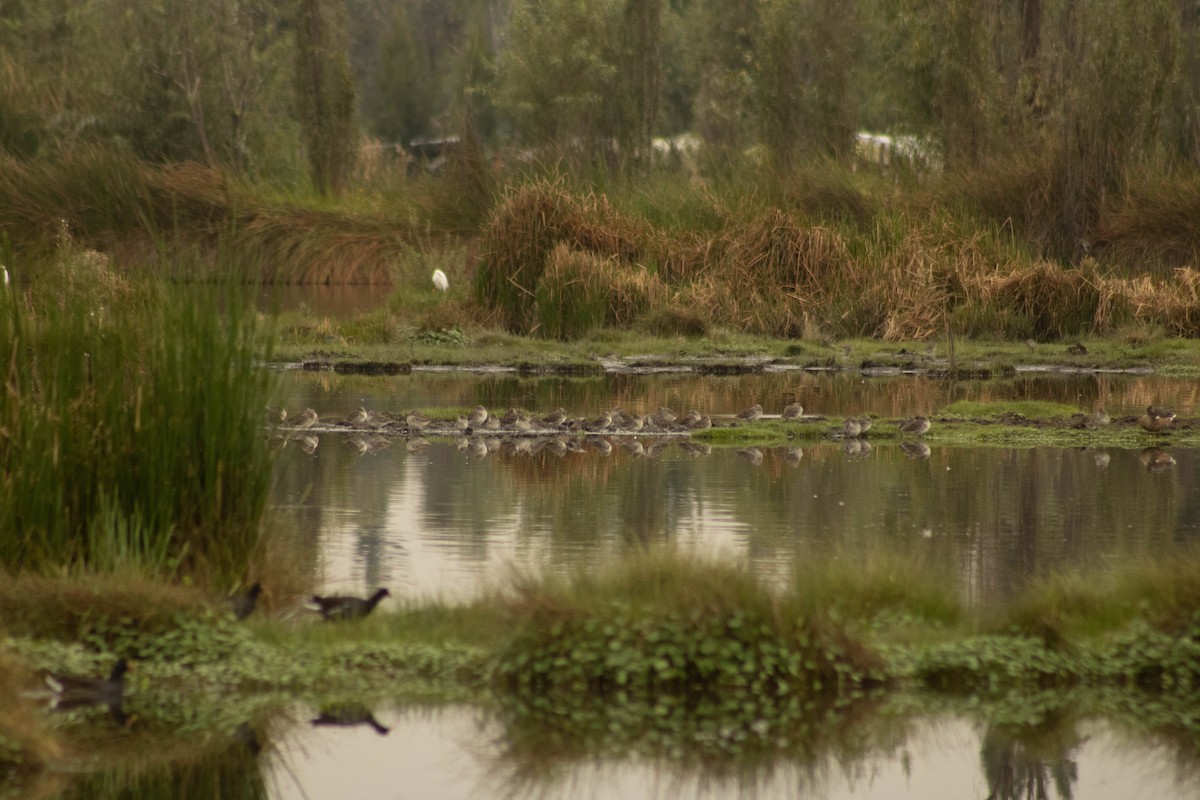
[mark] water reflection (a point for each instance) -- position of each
(459, 752)
(440, 517)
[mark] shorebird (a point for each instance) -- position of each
(478, 417)
(701, 424)
(688, 419)
(72, 692)
(665, 415)
(522, 424)
(555, 418)
(917, 426)
(600, 423)
(359, 417)
(792, 412)
(633, 424)
(462, 424)
(851, 428)
(751, 414)
(276, 416)
(336, 608)
(1156, 419)
(416, 421)
(306, 419)
(491, 423)
(510, 416)
(242, 605)
(864, 424)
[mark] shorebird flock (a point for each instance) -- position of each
(482, 431)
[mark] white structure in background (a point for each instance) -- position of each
(4, 269)
(440, 281)
(676, 152)
(884, 152)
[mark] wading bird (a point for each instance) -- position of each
(336, 608)
(306, 419)
(752, 413)
(72, 692)
(917, 426)
(440, 281)
(792, 412)
(1156, 419)
(242, 605)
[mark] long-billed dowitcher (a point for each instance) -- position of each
(752, 413)
(792, 412)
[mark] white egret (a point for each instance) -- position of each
(440, 281)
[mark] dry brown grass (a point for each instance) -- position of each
(72, 609)
(1056, 302)
(526, 228)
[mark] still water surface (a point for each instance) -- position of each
(443, 520)
(455, 753)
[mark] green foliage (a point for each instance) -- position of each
(130, 422)
(558, 77)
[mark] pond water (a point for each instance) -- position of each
(444, 519)
(459, 752)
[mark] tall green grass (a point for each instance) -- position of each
(128, 422)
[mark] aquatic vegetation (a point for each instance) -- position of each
(131, 422)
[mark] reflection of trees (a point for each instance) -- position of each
(1000, 515)
(1027, 767)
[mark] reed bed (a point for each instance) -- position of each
(887, 272)
(129, 419)
(819, 250)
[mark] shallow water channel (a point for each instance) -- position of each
(444, 518)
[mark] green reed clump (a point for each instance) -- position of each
(662, 624)
(129, 421)
(572, 294)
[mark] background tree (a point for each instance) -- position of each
(558, 75)
(325, 99)
(803, 61)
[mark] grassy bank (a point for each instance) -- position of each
(658, 643)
